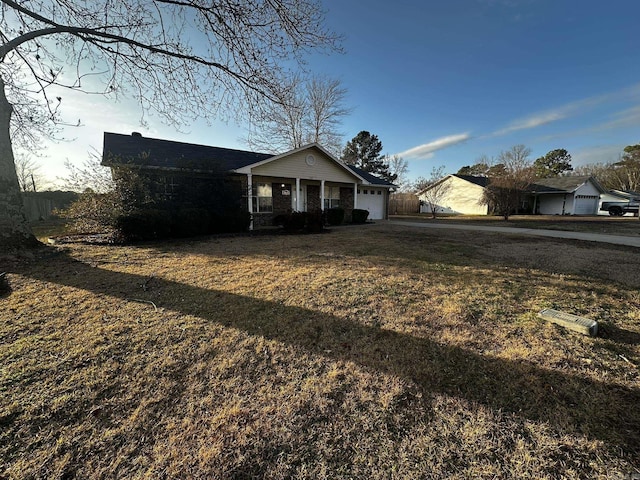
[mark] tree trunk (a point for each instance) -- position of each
(15, 232)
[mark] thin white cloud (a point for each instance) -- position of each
(570, 109)
(629, 117)
(531, 122)
(426, 150)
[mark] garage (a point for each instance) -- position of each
(373, 200)
(586, 204)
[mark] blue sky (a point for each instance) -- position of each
(443, 82)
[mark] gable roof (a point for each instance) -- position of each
(136, 150)
(480, 181)
(372, 179)
(563, 184)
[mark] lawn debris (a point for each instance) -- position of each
(139, 300)
(578, 324)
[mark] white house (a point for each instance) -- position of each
(574, 195)
(461, 194)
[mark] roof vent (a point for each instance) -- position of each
(136, 134)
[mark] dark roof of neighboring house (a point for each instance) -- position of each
(562, 184)
(372, 179)
(480, 181)
(141, 151)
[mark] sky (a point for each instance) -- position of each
(444, 82)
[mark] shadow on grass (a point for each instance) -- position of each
(570, 404)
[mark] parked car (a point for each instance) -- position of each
(617, 209)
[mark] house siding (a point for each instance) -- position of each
(295, 166)
(565, 203)
(462, 197)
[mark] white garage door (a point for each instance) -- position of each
(372, 200)
(586, 205)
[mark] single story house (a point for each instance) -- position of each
(572, 195)
(305, 179)
(459, 194)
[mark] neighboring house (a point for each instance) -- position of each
(617, 196)
(577, 195)
(572, 195)
(462, 194)
(304, 179)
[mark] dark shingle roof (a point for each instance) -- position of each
(561, 184)
(480, 181)
(372, 179)
(136, 150)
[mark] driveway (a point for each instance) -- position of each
(585, 236)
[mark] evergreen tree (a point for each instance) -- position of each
(363, 151)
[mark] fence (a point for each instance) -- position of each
(40, 205)
(403, 204)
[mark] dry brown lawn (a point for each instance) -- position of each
(369, 352)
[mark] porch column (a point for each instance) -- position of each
(321, 194)
(250, 198)
(355, 195)
(298, 195)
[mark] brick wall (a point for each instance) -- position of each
(313, 198)
(346, 202)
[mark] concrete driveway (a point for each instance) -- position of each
(585, 236)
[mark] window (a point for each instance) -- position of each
(364, 192)
(379, 192)
(169, 187)
(262, 198)
(331, 197)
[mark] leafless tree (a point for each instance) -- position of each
(434, 189)
(89, 176)
(28, 169)
(399, 168)
(308, 111)
(510, 181)
(181, 60)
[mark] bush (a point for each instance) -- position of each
(359, 215)
(144, 225)
(308, 222)
(232, 221)
(335, 216)
(92, 212)
(315, 221)
(291, 222)
(190, 222)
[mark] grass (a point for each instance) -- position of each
(626, 225)
(369, 352)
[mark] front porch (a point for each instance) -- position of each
(272, 197)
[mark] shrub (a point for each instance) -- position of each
(335, 216)
(189, 222)
(359, 215)
(291, 222)
(92, 212)
(230, 221)
(315, 221)
(144, 225)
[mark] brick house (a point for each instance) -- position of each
(304, 179)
